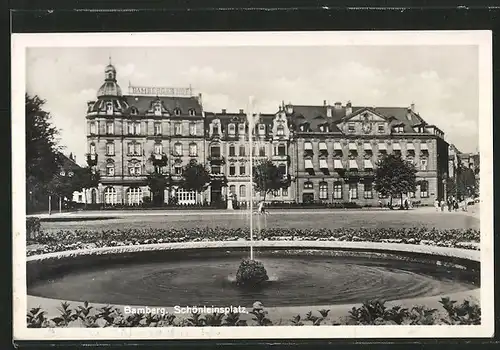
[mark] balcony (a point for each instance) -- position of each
(92, 159)
(159, 159)
(216, 160)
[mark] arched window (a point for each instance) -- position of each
(232, 151)
(110, 168)
(192, 112)
(424, 189)
(157, 109)
(243, 191)
(193, 149)
(323, 190)
(178, 149)
(308, 185)
(134, 195)
(93, 196)
(109, 108)
(232, 129)
(177, 111)
(134, 168)
(110, 196)
(232, 189)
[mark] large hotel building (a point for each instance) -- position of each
(329, 151)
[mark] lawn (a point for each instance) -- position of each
(309, 220)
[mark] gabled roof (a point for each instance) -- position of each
(66, 162)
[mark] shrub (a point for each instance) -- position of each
(251, 273)
(32, 227)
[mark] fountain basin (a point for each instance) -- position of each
(301, 273)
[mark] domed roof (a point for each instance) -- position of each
(109, 88)
(109, 68)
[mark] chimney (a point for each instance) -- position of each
(324, 103)
(223, 111)
(242, 111)
(329, 111)
(338, 105)
(348, 108)
(409, 111)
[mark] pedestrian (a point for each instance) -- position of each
(406, 204)
(442, 205)
(449, 202)
(455, 205)
(436, 204)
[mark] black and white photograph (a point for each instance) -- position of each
(252, 185)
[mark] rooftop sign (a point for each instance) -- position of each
(159, 91)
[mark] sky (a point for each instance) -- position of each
(442, 82)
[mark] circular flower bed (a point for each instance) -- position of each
(48, 242)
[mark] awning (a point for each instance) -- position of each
(367, 146)
(322, 146)
(368, 164)
(323, 164)
(353, 164)
(337, 146)
(309, 164)
(352, 146)
(396, 147)
(337, 164)
(410, 147)
(382, 146)
(308, 146)
(423, 147)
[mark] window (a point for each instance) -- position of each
(186, 197)
(134, 196)
(398, 129)
(130, 128)
(137, 128)
(192, 129)
(110, 196)
(216, 169)
(308, 146)
(158, 148)
(381, 128)
(284, 192)
(134, 169)
(337, 190)
(368, 190)
(308, 185)
(178, 170)
(137, 149)
(178, 128)
(110, 149)
(157, 128)
(262, 151)
(93, 129)
(353, 191)
(232, 151)
(281, 150)
(215, 151)
(178, 149)
(242, 170)
(134, 111)
(350, 128)
(157, 110)
(92, 148)
(192, 112)
(241, 129)
(282, 169)
(193, 150)
(232, 170)
(232, 189)
(423, 164)
(232, 129)
(280, 130)
(323, 190)
(109, 108)
(177, 111)
(412, 194)
(242, 150)
(262, 129)
(243, 191)
(110, 128)
(424, 189)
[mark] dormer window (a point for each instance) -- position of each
(380, 128)
(351, 128)
(262, 129)
(398, 129)
(109, 108)
(241, 129)
(192, 112)
(134, 111)
(232, 129)
(157, 110)
(177, 112)
(280, 130)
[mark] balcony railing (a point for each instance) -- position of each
(92, 159)
(217, 160)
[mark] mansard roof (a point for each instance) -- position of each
(143, 104)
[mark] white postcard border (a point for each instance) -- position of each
(20, 42)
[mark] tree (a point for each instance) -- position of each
(195, 177)
(394, 176)
(267, 177)
(42, 151)
(157, 183)
(85, 178)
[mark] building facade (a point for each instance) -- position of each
(335, 149)
(329, 151)
(128, 136)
